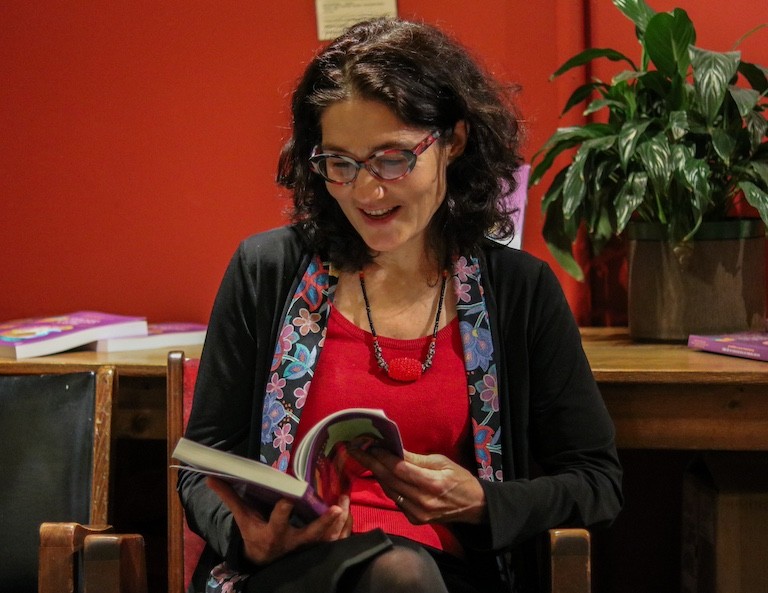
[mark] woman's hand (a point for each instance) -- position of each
(266, 540)
(427, 488)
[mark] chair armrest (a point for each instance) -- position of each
(59, 545)
(114, 563)
(570, 561)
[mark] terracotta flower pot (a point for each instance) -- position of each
(713, 284)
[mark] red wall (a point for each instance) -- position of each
(138, 140)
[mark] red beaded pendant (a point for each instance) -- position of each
(404, 369)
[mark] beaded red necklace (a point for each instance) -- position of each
(404, 369)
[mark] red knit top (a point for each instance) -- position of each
(432, 413)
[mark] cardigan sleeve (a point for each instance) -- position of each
(561, 463)
(233, 372)
(222, 404)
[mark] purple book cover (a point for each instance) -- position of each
(157, 329)
(38, 336)
(306, 508)
(258, 483)
(753, 345)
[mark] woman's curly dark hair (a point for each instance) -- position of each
(428, 80)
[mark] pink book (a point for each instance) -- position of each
(39, 336)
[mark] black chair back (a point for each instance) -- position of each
(53, 436)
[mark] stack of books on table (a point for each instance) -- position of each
(93, 330)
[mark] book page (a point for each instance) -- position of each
(333, 16)
(323, 458)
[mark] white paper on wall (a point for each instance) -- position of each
(333, 16)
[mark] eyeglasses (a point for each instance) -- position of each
(388, 165)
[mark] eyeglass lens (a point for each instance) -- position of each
(388, 165)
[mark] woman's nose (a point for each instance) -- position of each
(366, 187)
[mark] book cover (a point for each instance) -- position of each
(750, 344)
(322, 467)
(39, 336)
(159, 335)
(258, 483)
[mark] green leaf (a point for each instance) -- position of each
(667, 39)
(637, 11)
(603, 229)
(712, 72)
(581, 94)
(678, 124)
(761, 171)
(586, 56)
(746, 99)
(561, 140)
(560, 244)
(555, 190)
(574, 187)
(696, 173)
(656, 157)
(681, 154)
(756, 75)
(656, 82)
(757, 127)
(757, 198)
(630, 196)
(724, 145)
(628, 138)
(627, 75)
(599, 104)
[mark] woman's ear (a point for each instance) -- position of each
(458, 140)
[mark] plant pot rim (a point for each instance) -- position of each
(736, 228)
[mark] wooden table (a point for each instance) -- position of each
(661, 396)
(667, 396)
(140, 408)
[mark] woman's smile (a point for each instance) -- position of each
(380, 214)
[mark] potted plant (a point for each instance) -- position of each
(676, 141)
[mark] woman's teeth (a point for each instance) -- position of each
(378, 213)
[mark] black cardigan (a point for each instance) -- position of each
(560, 461)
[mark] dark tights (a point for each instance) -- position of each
(403, 569)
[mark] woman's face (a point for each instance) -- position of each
(390, 216)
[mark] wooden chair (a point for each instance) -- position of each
(56, 430)
(184, 547)
(569, 549)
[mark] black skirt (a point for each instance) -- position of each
(322, 567)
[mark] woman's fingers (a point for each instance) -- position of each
(427, 488)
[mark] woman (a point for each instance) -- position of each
(385, 292)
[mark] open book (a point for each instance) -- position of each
(321, 465)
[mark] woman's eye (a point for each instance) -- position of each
(339, 165)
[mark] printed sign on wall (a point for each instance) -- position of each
(333, 16)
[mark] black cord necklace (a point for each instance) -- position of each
(404, 369)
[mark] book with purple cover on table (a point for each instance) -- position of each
(39, 336)
(751, 344)
(322, 466)
(159, 335)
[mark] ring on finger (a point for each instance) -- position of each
(399, 500)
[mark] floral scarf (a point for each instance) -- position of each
(301, 340)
